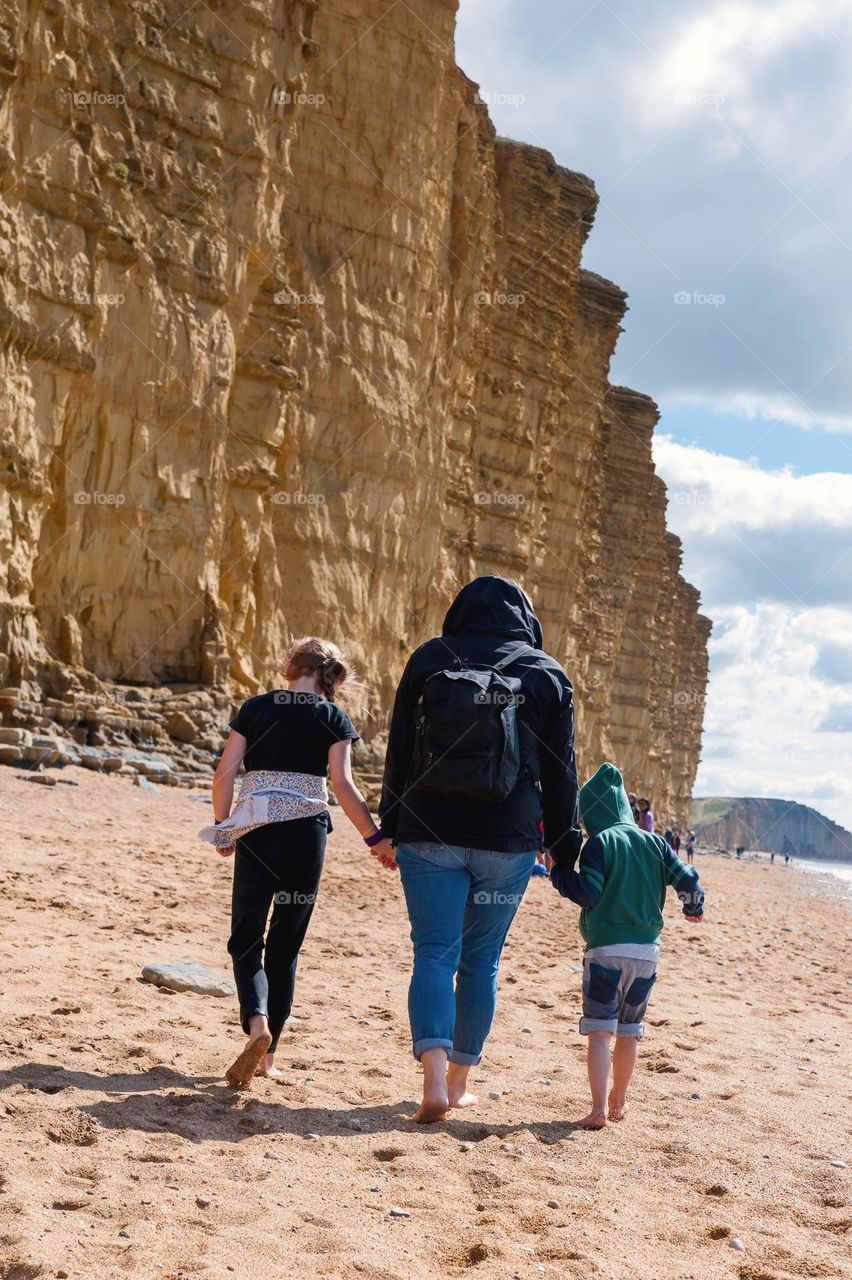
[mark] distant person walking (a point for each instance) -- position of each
(691, 841)
(675, 841)
(646, 816)
(290, 740)
(480, 753)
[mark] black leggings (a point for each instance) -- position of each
(281, 861)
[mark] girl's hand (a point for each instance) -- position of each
(384, 852)
(224, 850)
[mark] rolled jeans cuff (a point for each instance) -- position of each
(636, 1029)
(598, 1024)
(465, 1059)
(420, 1046)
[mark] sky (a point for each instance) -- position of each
(719, 137)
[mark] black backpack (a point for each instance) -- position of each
(466, 733)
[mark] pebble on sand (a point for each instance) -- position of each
(494, 1095)
(838, 1164)
(553, 1204)
(203, 1202)
(314, 1136)
(399, 1213)
(734, 1243)
(189, 977)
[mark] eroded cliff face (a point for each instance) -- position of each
(292, 343)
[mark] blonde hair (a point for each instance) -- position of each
(313, 656)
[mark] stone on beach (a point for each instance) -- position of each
(189, 977)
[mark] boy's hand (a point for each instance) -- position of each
(548, 860)
(224, 850)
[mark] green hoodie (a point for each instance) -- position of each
(624, 871)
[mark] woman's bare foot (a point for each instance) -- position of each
(266, 1068)
(432, 1108)
(241, 1071)
(618, 1108)
(594, 1120)
(457, 1086)
(436, 1102)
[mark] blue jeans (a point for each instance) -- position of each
(461, 903)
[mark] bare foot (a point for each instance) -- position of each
(240, 1073)
(594, 1120)
(432, 1108)
(266, 1068)
(463, 1099)
(618, 1108)
(457, 1091)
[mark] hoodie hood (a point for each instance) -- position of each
(493, 606)
(603, 801)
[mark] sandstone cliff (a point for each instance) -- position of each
(773, 826)
(291, 342)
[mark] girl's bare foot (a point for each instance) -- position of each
(464, 1100)
(267, 1069)
(241, 1072)
(594, 1120)
(618, 1108)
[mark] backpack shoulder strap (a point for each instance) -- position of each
(513, 656)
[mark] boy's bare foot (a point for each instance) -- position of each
(433, 1107)
(594, 1120)
(618, 1108)
(266, 1068)
(241, 1072)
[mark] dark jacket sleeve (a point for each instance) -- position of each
(398, 756)
(586, 885)
(685, 880)
(559, 790)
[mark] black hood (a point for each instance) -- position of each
(492, 606)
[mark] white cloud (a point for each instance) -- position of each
(720, 139)
(779, 713)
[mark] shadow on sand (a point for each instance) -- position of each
(203, 1109)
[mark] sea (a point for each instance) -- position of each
(843, 870)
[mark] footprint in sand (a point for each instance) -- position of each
(73, 1128)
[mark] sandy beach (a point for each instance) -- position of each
(123, 1153)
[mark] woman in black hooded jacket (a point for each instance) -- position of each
(465, 862)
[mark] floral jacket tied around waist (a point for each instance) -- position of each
(269, 796)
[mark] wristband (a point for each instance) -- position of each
(375, 838)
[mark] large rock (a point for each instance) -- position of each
(189, 977)
(394, 382)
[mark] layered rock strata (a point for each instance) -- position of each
(292, 342)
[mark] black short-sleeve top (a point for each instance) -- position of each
(289, 731)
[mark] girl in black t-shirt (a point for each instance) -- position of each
(290, 740)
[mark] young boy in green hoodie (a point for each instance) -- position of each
(621, 886)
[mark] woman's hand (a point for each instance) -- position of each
(384, 852)
(224, 850)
